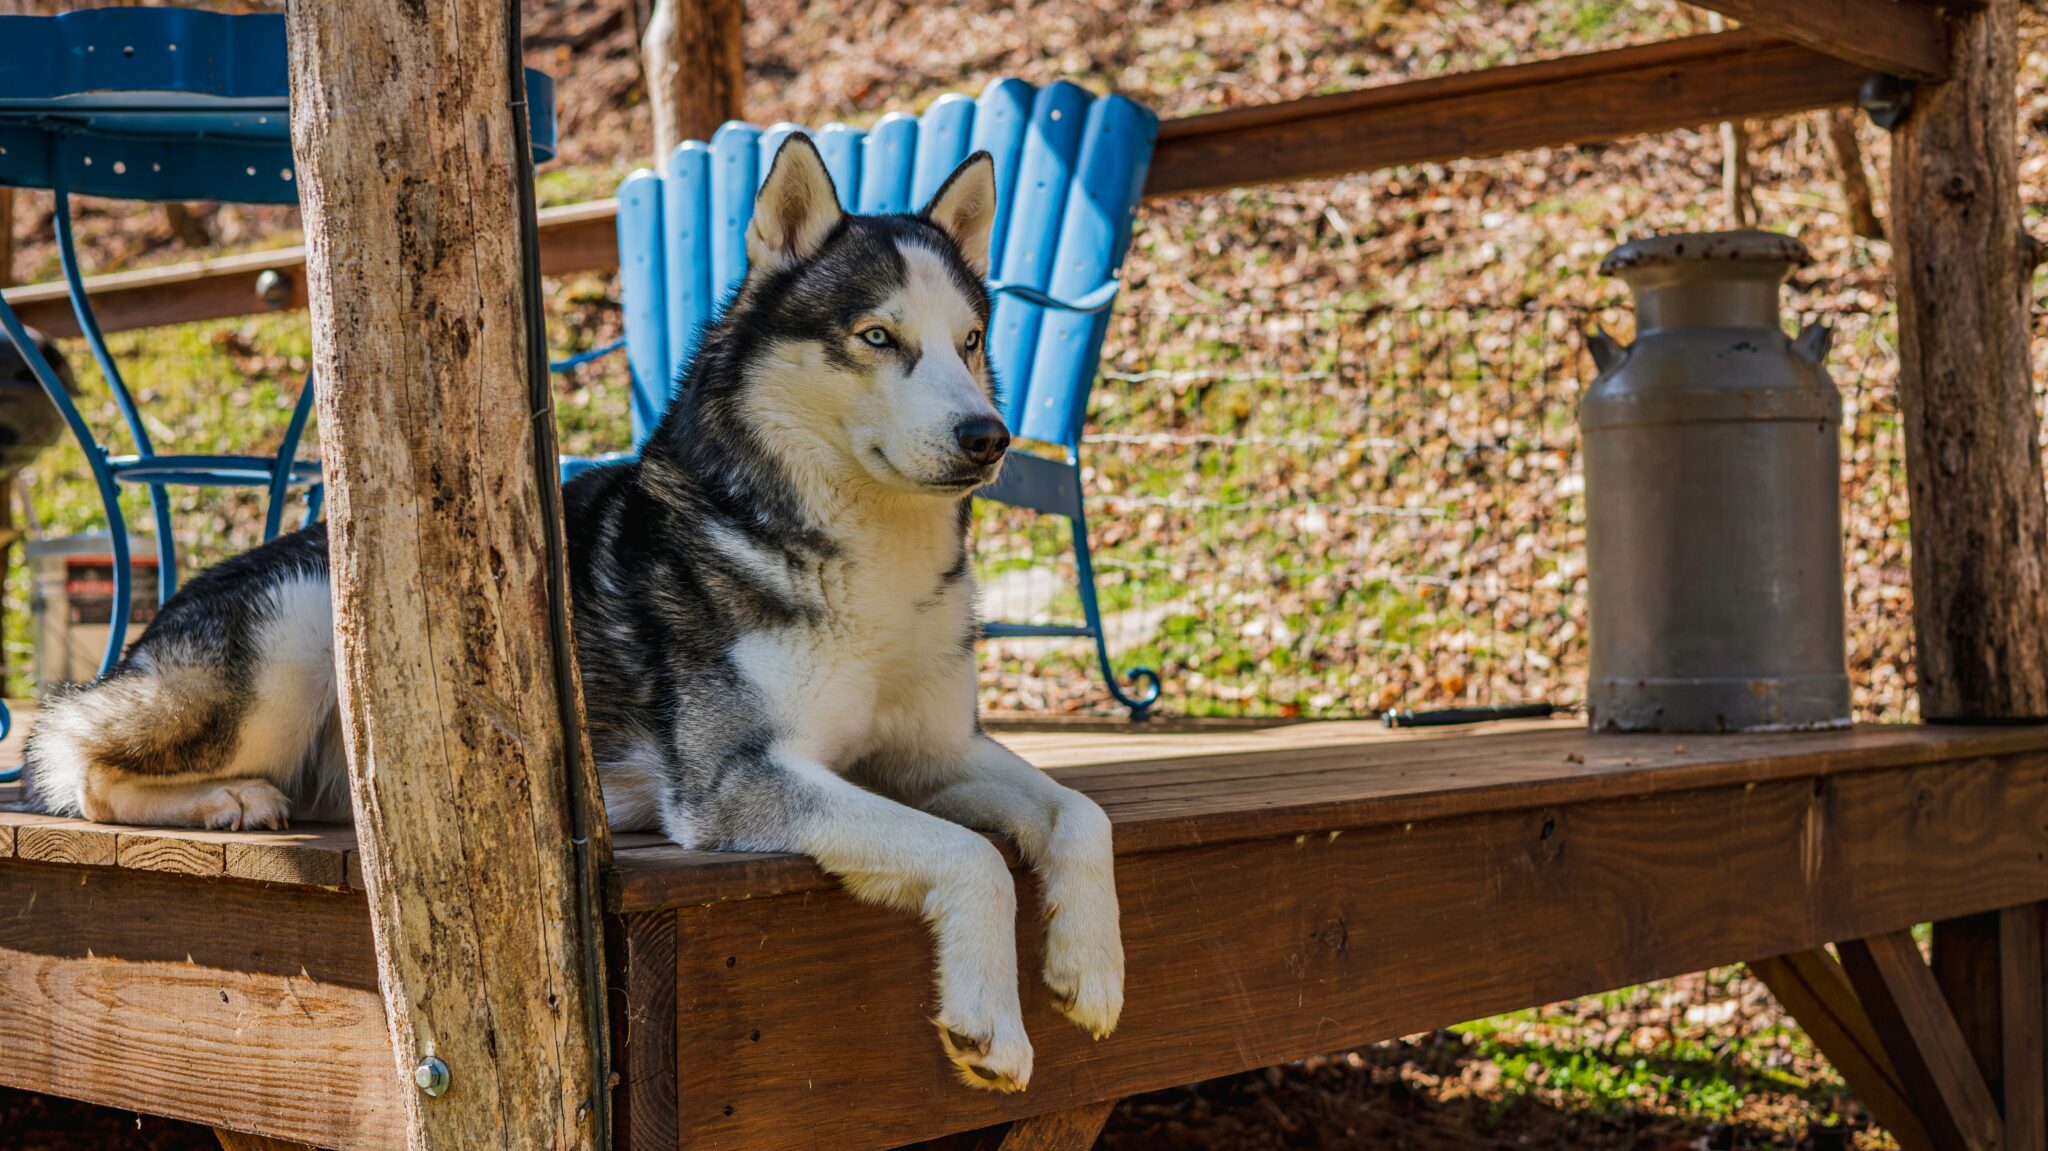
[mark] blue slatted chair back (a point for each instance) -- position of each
(1069, 169)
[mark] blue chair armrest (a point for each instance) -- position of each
(1098, 300)
(573, 466)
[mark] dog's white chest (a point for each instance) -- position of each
(888, 653)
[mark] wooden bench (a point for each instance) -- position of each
(1286, 892)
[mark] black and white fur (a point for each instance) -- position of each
(774, 610)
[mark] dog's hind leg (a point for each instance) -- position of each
(1065, 837)
(893, 855)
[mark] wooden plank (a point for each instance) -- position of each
(240, 1141)
(317, 859)
(1074, 1129)
(2022, 978)
(1812, 988)
(642, 951)
(1314, 791)
(1251, 953)
(1902, 37)
(1935, 1065)
(67, 841)
(1576, 100)
(10, 822)
(235, 1005)
(176, 854)
(460, 713)
(574, 238)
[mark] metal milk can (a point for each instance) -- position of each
(1713, 498)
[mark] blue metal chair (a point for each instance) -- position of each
(1069, 170)
(159, 104)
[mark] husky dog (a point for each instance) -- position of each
(774, 611)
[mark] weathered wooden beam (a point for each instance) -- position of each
(574, 238)
(695, 56)
(1575, 100)
(1973, 462)
(1811, 986)
(1921, 1036)
(461, 759)
(1902, 37)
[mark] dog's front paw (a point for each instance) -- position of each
(993, 1055)
(1084, 966)
(244, 805)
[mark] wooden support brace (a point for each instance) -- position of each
(1813, 989)
(1921, 1036)
(1574, 100)
(1902, 37)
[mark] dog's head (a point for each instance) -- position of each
(872, 331)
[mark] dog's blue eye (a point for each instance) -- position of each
(973, 339)
(877, 337)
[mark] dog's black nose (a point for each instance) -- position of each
(983, 441)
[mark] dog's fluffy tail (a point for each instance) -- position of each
(146, 722)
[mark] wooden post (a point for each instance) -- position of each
(695, 57)
(459, 759)
(1973, 462)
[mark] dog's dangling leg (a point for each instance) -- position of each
(897, 856)
(1065, 837)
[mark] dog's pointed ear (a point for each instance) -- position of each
(796, 210)
(965, 208)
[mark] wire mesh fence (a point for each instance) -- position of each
(1334, 512)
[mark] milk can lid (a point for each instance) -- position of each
(1750, 245)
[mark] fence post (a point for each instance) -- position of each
(403, 130)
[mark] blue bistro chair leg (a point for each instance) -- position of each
(281, 473)
(159, 497)
(1143, 680)
(102, 474)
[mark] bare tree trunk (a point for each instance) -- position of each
(1839, 125)
(1973, 457)
(1738, 195)
(187, 228)
(695, 61)
(459, 761)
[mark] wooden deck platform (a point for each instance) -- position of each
(1286, 892)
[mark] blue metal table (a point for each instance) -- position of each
(159, 104)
